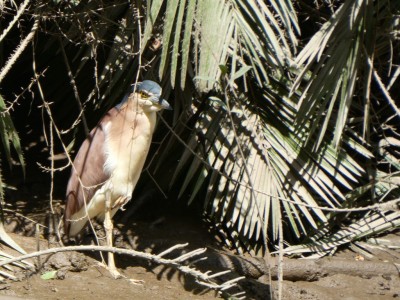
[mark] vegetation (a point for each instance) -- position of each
(284, 129)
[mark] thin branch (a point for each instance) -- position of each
(12, 211)
(51, 168)
(74, 87)
(11, 105)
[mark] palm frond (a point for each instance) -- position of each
(371, 223)
(249, 143)
(335, 57)
(9, 137)
(264, 165)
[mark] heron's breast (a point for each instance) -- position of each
(127, 143)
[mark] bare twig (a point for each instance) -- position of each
(11, 105)
(51, 168)
(169, 250)
(74, 87)
(12, 211)
(384, 91)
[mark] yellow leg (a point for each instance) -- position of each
(108, 227)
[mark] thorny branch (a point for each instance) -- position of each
(18, 51)
(20, 11)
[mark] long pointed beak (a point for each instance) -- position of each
(161, 102)
(164, 104)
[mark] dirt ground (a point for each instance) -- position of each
(81, 277)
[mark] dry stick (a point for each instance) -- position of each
(51, 168)
(21, 47)
(169, 250)
(280, 258)
(202, 278)
(145, 169)
(51, 152)
(390, 205)
(37, 236)
(140, 48)
(10, 106)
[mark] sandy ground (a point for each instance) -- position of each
(81, 276)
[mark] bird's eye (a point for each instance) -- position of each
(144, 95)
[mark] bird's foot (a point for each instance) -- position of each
(113, 271)
(136, 281)
(117, 275)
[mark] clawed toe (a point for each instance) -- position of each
(113, 271)
(136, 281)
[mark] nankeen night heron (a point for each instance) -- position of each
(109, 162)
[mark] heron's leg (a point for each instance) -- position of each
(108, 227)
(121, 202)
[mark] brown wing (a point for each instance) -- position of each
(88, 170)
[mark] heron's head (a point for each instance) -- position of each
(149, 96)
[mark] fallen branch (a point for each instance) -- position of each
(299, 269)
(203, 278)
(311, 270)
